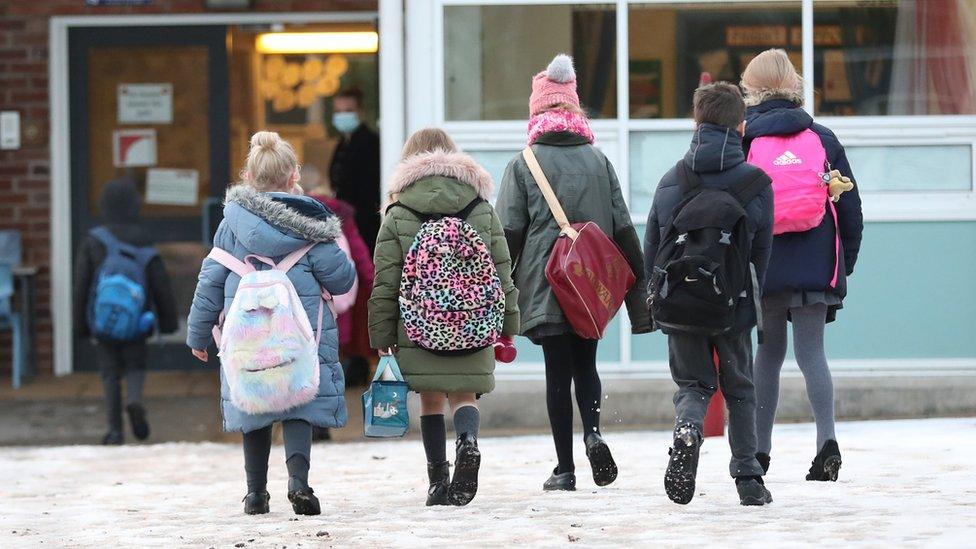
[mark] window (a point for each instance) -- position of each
(492, 53)
(888, 57)
(671, 45)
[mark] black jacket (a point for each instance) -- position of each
(120, 211)
(716, 156)
(805, 261)
(355, 174)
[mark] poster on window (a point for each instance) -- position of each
(145, 103)
(134, 148)
(172, 187)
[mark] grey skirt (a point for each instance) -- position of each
(795, 299)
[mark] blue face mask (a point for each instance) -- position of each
(345, 122)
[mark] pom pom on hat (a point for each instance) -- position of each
(561, 69)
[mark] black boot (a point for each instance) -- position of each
(763, 460)
(560, 481)
(752, 491)
(256, 503)
(439, 475)
(464, 485)
(826, 466)
(304, 502)
(137, 418)
(679, 479)
(113, 438)
(604, 468)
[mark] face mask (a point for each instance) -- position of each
(345, 122)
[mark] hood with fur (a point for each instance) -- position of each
(757, 97)
(274, 224)
(457, 166)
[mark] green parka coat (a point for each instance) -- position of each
(436, 183)
(586, 185)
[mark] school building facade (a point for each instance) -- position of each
(895, 79)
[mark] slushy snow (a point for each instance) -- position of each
(903, 483)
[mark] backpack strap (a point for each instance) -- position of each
(293, 258)
(419, 215)
(466, 212)
(750, 186)
(688, 180)
(543, 183)
(227, 259)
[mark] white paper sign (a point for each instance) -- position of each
(145, 103)
(172, 187)
(134, 148)
(9, 130)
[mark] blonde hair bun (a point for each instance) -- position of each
(265, 140)
(272, 164)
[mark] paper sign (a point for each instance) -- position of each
(9, 130)
(134, 148)
(172, 187)
(145, 103)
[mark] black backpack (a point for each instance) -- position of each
(702, 272)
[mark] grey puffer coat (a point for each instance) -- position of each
(586, 185)
(274, 225)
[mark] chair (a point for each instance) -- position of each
(10, 256)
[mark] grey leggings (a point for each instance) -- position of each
(808, 347)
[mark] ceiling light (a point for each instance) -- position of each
(318, 42)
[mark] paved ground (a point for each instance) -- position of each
(904, 483)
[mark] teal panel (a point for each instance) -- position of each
(911, 167)
(652, 154)
(912, 296)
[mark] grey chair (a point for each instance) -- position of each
(10, 257)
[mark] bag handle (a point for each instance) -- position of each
(388, 362)
(543, 182)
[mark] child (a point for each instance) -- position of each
(264, 217)
(434, 181)
(685, 224)
(117, 358)
(810, 263)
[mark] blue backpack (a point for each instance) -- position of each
(118, 302)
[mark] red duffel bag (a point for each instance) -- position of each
(587, 272)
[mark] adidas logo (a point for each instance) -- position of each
(786, 159)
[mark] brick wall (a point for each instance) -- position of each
(25, 194)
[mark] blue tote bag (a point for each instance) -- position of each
(385, 403)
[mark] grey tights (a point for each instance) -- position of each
(808, 346)
(298, 451)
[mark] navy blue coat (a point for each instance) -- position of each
(805, 261)
(716, 156)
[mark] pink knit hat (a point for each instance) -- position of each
(556, 84)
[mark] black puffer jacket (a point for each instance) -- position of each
(716, 156)
(119, 206)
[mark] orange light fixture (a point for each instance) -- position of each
(318, 42)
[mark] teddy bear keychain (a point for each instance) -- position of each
(836, 183)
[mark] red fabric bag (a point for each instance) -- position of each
(587, 272)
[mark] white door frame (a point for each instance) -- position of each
(391, 103)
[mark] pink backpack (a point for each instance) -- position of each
(342, 303)
(797, 164)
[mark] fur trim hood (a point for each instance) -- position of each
(457, 165)
(757, 97)
(303, 216)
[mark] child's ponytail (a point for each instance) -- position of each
(271, 163)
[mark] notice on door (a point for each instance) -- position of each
(145, 103)
(134, 148)
(172, 187)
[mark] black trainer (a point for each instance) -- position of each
(560, 481)
(826, 466)
(467, 462)
(439, 475)
(752, 491)
(256, 503)
(601, 461)
(137, 418)
(763, 460)
(679, 479)
(113, 438)
(304, 502)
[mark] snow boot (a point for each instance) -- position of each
(752, 491)
(304, 502)
(137, 419)
(467, 462)
(112, 438)
(826, 466)
(439, 475)
(256, 503)
(763, 460)
(679, 479)
(560, 481)
(604, 468)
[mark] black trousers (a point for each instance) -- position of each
(117, 361)
(693, 370)
(571, 362)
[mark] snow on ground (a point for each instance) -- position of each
(903, 483)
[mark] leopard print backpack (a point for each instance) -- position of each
(451, 298)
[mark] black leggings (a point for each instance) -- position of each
(571, 360)
(298, 451)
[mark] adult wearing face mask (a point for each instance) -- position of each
(355, 170)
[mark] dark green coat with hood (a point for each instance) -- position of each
(436, 183)
(587, 188)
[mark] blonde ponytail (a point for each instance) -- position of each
(271, 163)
